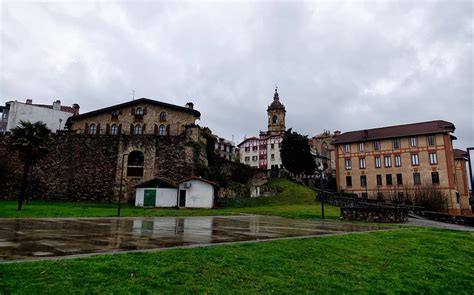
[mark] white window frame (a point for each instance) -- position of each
(413, 141)
(92, 129)
(434, 139)
(361, 147)
(398, 161)
(347, 148)
(378, 162)
(387, 160)
(362, 164)
(433, 158)
(415, 160)
(347, 164)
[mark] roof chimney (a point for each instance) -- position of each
(337, 132)
(29, 101)
(190, 105)
(76, 109)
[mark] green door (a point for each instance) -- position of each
(150, 198)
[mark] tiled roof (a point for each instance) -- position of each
(157, 182)
(197, 178)
(413, 129)
(459, 154)
(134, 102)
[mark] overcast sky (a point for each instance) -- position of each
(338, 66)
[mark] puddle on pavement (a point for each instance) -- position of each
(33, 238)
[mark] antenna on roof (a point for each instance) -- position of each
(133, 94)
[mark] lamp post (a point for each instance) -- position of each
(120, 190)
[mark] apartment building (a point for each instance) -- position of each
(376, 162)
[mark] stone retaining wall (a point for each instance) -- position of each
(375, 214)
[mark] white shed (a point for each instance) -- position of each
(156, 192)
(196, 192)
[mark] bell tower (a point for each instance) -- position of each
(276, 115)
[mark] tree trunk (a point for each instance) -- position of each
(24, 183)
(28, 193)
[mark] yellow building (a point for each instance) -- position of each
(381, 162)
(140, 116)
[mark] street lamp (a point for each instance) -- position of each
(120, 190)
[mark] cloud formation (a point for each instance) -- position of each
(338, 65)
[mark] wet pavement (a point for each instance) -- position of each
(25, 239)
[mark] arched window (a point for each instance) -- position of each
(92, 129)
(135, 164)
(138, 111)
(114, 129)
(162, 116)
(137, 129)
(275, 119)
(162, 130)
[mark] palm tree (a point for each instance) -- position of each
(32, 141)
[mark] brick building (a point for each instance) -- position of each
(375, 162)
(264, 151)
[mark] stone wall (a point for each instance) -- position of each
(88, 167)
(374, 214)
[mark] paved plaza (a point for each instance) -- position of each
(25, 239)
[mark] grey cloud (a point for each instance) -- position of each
(338, 65)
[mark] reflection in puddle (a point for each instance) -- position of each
(26, 238)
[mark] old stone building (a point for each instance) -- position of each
(140, 116)
(264, 151)
(377, 162)
(462, 179)
(322, 146)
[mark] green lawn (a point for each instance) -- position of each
(292, 201)
(408, 260)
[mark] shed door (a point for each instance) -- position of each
(182, 198)
(150, 198)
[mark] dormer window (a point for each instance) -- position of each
(162, 116)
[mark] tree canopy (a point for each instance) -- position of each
(296, 154)
(32, 141)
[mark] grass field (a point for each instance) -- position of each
(292, 201)
(408, 260)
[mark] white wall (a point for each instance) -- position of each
(165, 197)
(199, 195)
(25, 112)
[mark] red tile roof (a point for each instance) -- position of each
(405, 130)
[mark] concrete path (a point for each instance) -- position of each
(40, 238)
(431, 223)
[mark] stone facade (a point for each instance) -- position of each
(89, 167)
(322, 146)
(141, 116)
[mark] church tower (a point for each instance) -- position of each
(276, 115)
